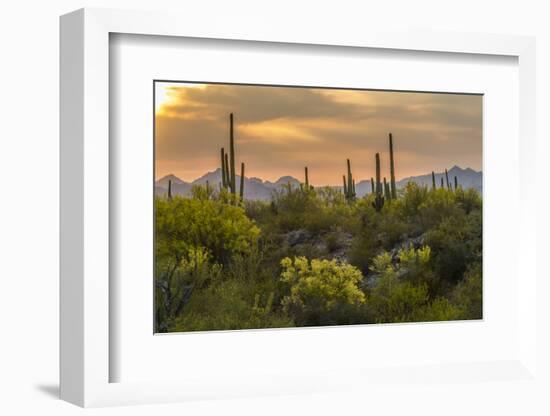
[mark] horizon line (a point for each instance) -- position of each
(280, 177)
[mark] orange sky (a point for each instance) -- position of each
(279, 130)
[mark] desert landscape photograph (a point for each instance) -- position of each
(285, 206)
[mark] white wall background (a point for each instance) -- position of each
(29, 188)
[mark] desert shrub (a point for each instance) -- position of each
(392, 300)
(469, 199)
(413, 197)
(257, 210)
(331, 197)
(440, 309)
(332, 241)
(438, 206)
(228, 305)
(365, 246)
(468, 294)
(319, 289)
(221, 229)
(402, 293)
(455, 243)
(176, 278)
(317, 211)
(204, 192)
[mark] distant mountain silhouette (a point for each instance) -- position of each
(467, 178)
(258, 189)
(254, 188)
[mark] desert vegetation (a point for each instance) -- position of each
(315, 256)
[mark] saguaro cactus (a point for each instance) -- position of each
(392, 171)
(170, 188)
(456, 183)
(232, 155)
(447, 178)
(379, 198)
(442, 185)
(241, 189)
(433, 180)
(306, 178)
(228, 162)
(372, 185)
(349, 184)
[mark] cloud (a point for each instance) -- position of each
(279, 130)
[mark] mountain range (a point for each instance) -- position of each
(258, 189)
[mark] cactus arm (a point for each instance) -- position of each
(227, 180)
(222, 155)
(345, 186)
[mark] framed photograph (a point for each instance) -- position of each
(281, 213)
(379, 238)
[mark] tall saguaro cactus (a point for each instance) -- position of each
(456, 183)
(379, 198)
(392, 171)
(241, 189)
(232, 155)
(169, 188)
(447, 178)
(306, 178)
(228, 164)
(433, 180)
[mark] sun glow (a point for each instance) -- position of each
(166, 93)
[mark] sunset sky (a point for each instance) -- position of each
(279, 130)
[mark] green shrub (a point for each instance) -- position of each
(392, 300)
(227, 306)
(402, 293)
(469, 200)
(318, 288)
(440, 309)
(468, 294)
(176, 278)
(220, 228)
(455, 243)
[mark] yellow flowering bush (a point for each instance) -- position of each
(319, 287)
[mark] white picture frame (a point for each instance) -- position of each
(85, 211)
